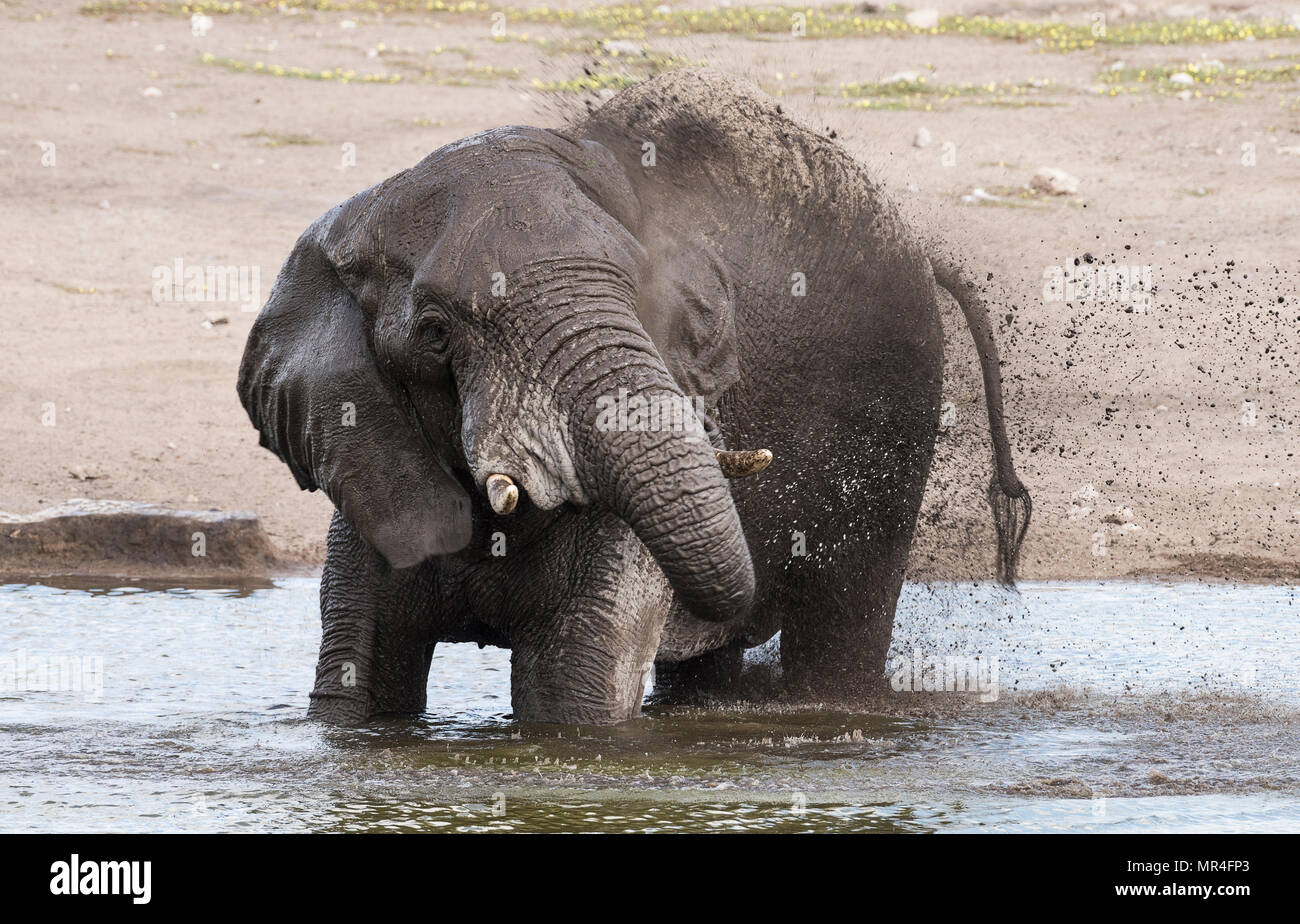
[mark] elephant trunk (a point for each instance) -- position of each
(641, 452)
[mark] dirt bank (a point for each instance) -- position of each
(1156, 438)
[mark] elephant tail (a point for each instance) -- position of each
(1008, 497)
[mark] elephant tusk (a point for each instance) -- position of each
(502, 494)
(740, 464)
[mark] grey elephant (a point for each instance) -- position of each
(523, 369)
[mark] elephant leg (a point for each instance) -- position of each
(836, 632)
(714, 673)
(376, 637)
(587, 658)
(838, 601)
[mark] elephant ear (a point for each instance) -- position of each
(686, 300)
(687, 304)
(311, 385)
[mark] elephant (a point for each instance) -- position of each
(524, 369)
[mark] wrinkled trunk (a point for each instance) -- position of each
(666, 483)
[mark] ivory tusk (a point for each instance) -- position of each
(502, 494)
(739, 464)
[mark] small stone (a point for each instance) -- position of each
(1054, 182)
(1182, 79)
(151, 91)
(922, 19)
(347, 24)
(213, 318)
(903, 77)
(922, 139)
(622, 47)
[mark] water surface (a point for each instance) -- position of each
(1116, 707)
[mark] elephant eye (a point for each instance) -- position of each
(435, 336)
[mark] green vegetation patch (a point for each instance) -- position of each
(472, 75)
(638, 20)
(1216, 76)
(615, 70)
(918, 93)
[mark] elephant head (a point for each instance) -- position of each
(452, 332)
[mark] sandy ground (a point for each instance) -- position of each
(1154, 441)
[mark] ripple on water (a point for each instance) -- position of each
(1118, 706)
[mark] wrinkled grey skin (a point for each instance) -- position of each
(387, 371)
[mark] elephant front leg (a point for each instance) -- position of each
(588, 659)
(376, 641)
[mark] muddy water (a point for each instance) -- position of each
(1111, 707)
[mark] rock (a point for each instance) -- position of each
(922, 139)
(1182, 79)
(129, 539)
(622, 47)
(903, 77)
(151, 91)
(922, 19)
(979, 195)
(1054, 182)
(84, 473)
(215, 318)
